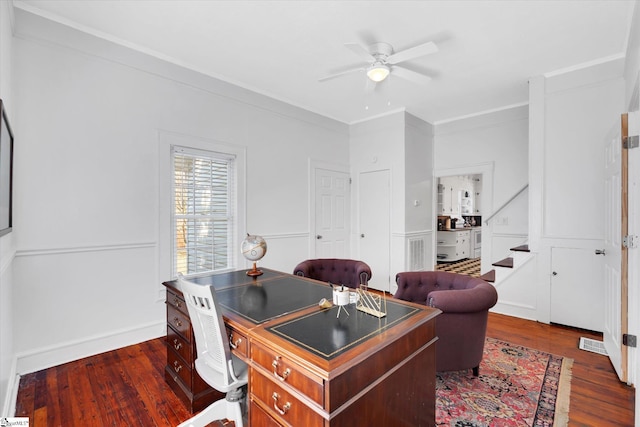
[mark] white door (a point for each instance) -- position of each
(615, 287)
(577, 293)
(374, 218)
(331, 214)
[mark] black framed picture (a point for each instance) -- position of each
(6, 173)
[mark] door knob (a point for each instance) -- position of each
(362, 236)
(554, 273)
(600, 252)
(318, 237)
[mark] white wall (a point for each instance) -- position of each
(7, 246)
(377, 145)
(419, 187)
(495, 144)
(87, 271)
(571, 115)
(402, 144)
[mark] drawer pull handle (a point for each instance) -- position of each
(177, 345)
(284, 375)
(285, 407)
(233, 344)
(177, 322)
(176, 366)
(177, 302)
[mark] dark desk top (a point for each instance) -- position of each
(275, 294)
(268, 299)
(328, 335)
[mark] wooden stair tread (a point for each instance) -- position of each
(507, 262)
(521, 248)
(489, 276)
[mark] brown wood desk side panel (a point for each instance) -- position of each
(406, 398)
(361, 373)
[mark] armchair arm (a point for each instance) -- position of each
(364, 272)
(303, 269)
(481, 297)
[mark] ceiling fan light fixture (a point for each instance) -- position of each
(378, 72)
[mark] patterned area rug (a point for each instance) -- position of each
(517, 386)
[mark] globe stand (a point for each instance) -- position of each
(254, 272)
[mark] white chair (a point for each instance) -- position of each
(214, 361)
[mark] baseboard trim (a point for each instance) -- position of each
(11, 396)
(47, 357)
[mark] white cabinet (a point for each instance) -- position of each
(449, 198)
(477, 197)
(453, 245)
(456, 195)
(466, 202)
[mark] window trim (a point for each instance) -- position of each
(167, 142)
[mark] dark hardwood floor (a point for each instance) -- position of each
(126, 387)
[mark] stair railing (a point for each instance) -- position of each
(486, 221)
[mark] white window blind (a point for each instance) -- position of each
(203, 210)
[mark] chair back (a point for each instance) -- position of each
(214, 361)
(337, 271)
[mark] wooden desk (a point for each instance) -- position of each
(308, 367)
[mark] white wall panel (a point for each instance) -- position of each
(576, 123)
(7, 242)
(90, 118)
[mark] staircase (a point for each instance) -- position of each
(505, 267)
(514, 279)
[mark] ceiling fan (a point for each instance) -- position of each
(381, 61)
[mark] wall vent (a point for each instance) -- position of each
(416, 254)
(592, 345)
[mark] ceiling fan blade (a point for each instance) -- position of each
(410, 75)
(414, 52)
(340, 73)
(361, 51)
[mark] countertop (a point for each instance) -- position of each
(464, 229)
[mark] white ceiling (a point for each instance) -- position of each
(487, 49)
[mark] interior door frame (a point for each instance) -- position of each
(486, 170)
(624, 251)
(314, 165)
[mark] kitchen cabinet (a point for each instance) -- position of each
(453, 245)
(466, 202)
(448, 194)
(477, 198)
(475, 244)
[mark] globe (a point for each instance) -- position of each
(253, 248)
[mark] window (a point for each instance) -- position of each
(203, 209)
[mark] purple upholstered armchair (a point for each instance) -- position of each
(461, 328)
(348, 272)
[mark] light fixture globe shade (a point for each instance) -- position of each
(378, 72)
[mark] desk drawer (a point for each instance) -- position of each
(179, 321)
(259, 418)
(283, 370)
(179, 344)
(281, 404)
(176, 301)
(179, 368)
(238, 343)
(187, 374)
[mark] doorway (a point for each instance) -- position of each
(479, 247)
(330, 211)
